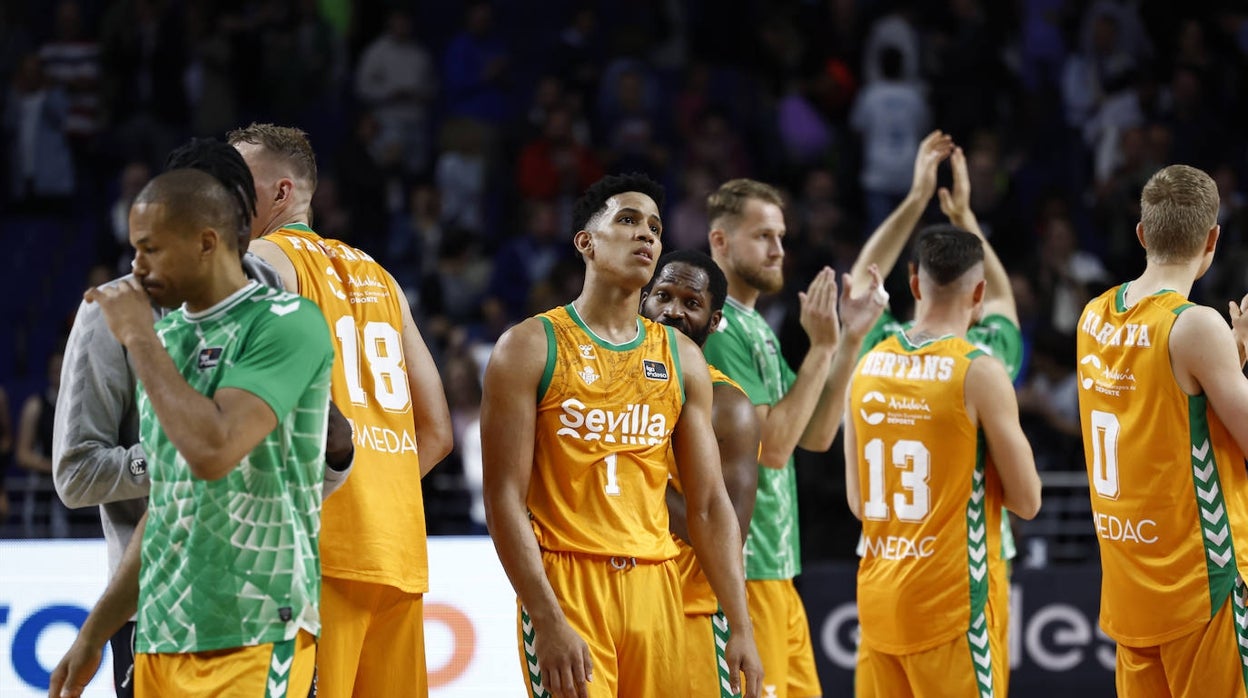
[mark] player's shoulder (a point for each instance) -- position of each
(269, 302)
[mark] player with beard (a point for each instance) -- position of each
(801, 408)
(688, 292)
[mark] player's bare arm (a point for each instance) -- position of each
(271, 253)
(508, 423)
(1205, 360)
(737, 434)
(430, 412)
(212, 434)
(990, 400)
(853, 495)
(786, 424)
(117, 605)
(713, 526)
(956, 204)
(885, 245)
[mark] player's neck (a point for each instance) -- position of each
(1163, 277)
(931, 321)
(302, 216)
(611, 313)
(224, 282)
(742, 292)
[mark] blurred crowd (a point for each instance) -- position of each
(453, 138)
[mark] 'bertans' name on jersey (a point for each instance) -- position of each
(899, 547)
(915, 368)
(635, 424)
(1110, 335)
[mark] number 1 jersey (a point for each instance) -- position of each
(1169, 490)
(930, 507)
(374, 526)
(605, 414)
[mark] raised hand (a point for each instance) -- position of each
(956, 204)
(932, 150)
(126, 306)
(818, 310)
(1239, 326)
(858, 315)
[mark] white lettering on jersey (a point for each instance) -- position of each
(1110, 527)
(914, 368)
(383, 440)
(899, 547)
(635, 424)
(1110, 335)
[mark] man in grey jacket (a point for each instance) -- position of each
(96, 456)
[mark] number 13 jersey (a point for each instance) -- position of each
(930, 508)
(373, 528)
(1169, 490)
(605, 414)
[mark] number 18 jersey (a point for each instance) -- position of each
(930, 508)
(374, 525)
(1168, 485)
(605, 414)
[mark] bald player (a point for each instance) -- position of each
(233, 404)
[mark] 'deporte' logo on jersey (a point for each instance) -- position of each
(872, 418)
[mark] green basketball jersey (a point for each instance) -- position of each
(746, 348)
(234, 562)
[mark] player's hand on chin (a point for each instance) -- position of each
(564, 660)
(75, 669)
(126, 306)
(741, 654)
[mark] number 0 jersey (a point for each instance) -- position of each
(605, 414)
(930, 507)
(699, 597)
(374, 525)
(1168, 486)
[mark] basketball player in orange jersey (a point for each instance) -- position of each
(933, 448)
(373, 552)
(581, 406)
(687, 292)
(1164, 406)
(994, 330)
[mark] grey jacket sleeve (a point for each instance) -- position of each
(96, 457)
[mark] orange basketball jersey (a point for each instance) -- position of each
(605, 415)
(699, 598)
(930, 507)
(373, 528)
(1169, 490)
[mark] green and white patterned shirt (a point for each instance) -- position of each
(746, 348)
(234, 562)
